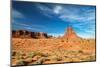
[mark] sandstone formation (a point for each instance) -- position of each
(28, 34)
(70, 33)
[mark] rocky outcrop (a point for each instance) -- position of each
(28, 34)
(70, 33)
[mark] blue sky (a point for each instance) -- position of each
(53, 18)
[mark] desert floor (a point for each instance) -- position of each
(49, 51)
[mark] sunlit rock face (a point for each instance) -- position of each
(70, 33)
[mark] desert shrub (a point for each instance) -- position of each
(62, 40)
(44, 54)
(23, 54)
(18, 56)
(90, 58)
(47, 59)
(66, 56)
(80, 51)
(39, 61)
(21, 63)
(57, 58)
(31, 54)
(28, 60)
(71, 52)
(13, 53)
(40, 54)
(88, 40)
(71, 60)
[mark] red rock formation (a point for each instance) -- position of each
(28, 34)
(21, 34)
(70, 33)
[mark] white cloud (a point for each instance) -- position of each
(17, 14)
(22, 24)
(68, 13)
(49, 12)
(32, 28)
(69, 16)
(45, 10)
(57, 9)
(73, 14)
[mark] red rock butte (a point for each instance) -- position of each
(70, 33)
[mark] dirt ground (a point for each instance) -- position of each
(27, 51)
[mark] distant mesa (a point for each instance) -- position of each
(28, 34)
(70, 33)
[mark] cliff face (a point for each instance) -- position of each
(28, 34)
(70, 33)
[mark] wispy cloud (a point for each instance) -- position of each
(21, 24)
(80, 16)
(28, 27)
(17, 14)
(45, 10)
